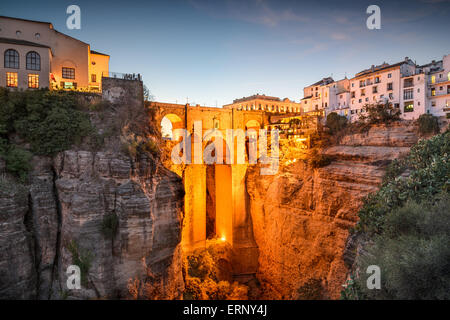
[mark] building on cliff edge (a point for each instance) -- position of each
(35, 55)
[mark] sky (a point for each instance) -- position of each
(211, 52)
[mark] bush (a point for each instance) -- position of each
(18, 162)
(380, 113)
(311, 290)
(336, 122)
(202, 281)
(428, 124)
(319, 160)
(412, 253)
(409, 222)
(110, 225)
(82, 259)
(429, 165)
(49, 120)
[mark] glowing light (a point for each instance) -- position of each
(223, 239)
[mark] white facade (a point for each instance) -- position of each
(438, 88)
(413, 89)
(327, 95)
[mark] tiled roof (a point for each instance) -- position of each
(324, 81)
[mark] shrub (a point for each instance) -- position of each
(319, 160)
(429, 165)
(311, 290)
(202, 281)
(380, 113)
(110, 225)
(151, 146)
(18, 162)
(336, 122)
(49, 120)
(82, 259)
(412, 253)
(428, 124)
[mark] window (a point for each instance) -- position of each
(408, 83)
(68, 85)
(68, 73)
(363, 92)
(448, 76)
(409, 106)
(433, 79)
(408, 94)
(11, 79)
(433, 103)
(33, 81)
(354, 84)
(374, 89)
(11, 59)
(367, 99)
(353, 94)
(360, 100)
(389, 86)
(37, 35)
(433, 91)
(33, 61)
(391, 96)
(377, 79)
(389, 75)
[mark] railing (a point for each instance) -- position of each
(124, 76)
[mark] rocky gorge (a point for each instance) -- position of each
(302, 216)
(117, 211)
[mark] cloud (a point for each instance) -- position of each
(254, 11)
(339, 36)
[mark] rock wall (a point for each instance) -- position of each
(64, 206)
(302, 216)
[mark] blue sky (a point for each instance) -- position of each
(215, 51)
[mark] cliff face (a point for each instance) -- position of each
(59, 216)
(302, 215)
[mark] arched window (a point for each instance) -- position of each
(11, 59)
(33, 61)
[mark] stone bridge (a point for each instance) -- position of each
(216, 198)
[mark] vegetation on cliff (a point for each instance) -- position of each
(204, 276)
(408, 222)
(38, 122)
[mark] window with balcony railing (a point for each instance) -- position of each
(408, 83)
(408, 94)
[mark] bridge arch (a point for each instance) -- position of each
(169, 123)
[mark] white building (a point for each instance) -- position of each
(411, 88)
(327, 95)
(438, 86)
